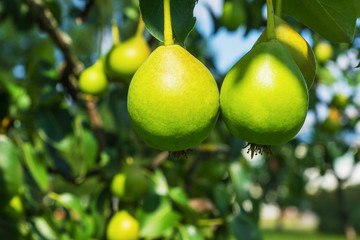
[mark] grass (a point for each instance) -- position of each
(297, 235)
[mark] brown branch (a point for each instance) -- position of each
(159, 159)
(48, 23)
(71, 179)
(205, 148)
(96, 122)
(72, 67)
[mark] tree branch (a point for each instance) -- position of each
(71, 179)
(48, 23)
(73, 66)
(96, 123)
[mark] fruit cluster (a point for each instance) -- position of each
(119, 64)
(173, 100)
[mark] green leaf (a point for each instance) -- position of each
(181, 200)
(44, 228)
(243, 227)
(156, 221)
(240, 179)
(54, 122)
(80, 151)
(36, 167)
(71, 202)
(10, 171)
(181, 16)
(222, 197)
(190, 232)
(159, 183)
(357, 6)
(333, 19)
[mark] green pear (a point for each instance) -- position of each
(173, 100)
(233, 16)
(123, 226)
(299, 49)
(93, 80)
(323, 51)
(125, 58)
(130, 184)
(264, 98)
(332, 123)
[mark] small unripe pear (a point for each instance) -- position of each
(93, 80)
(125, 58)
(323, 51)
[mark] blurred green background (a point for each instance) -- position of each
(56, 169)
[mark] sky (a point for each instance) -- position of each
(228, 47)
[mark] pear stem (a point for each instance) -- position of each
(115, 32)
(114, 27)
(102, 24)
(168, 34)
(278, 9)
(140, 27)
(270, 21)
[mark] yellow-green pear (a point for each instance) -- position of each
(93, 80)
(125, 58)
(173, 100)
(323, 51)
(264, 98)
(299, 49)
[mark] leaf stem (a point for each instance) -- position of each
(270, 20)
(278, 9)
(168, 34)
(140, 27)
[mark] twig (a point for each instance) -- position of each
(48, 23)
(71, 179)
(159, 159)
(96, 123)
(73, 66)
(205, 148)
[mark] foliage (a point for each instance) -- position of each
(70, 147)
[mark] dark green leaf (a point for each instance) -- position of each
(159, 219)
(181, 200)
(36, 167)
(240, 179)
(333, 19)
(243, 228)
(54, 122)
(181, 15)
(10, 171)
(9, 227)
(190, 233)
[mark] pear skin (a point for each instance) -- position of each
(299, 49)
(93, 80)
(264, 98)
(125, 58)
(173, 100)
